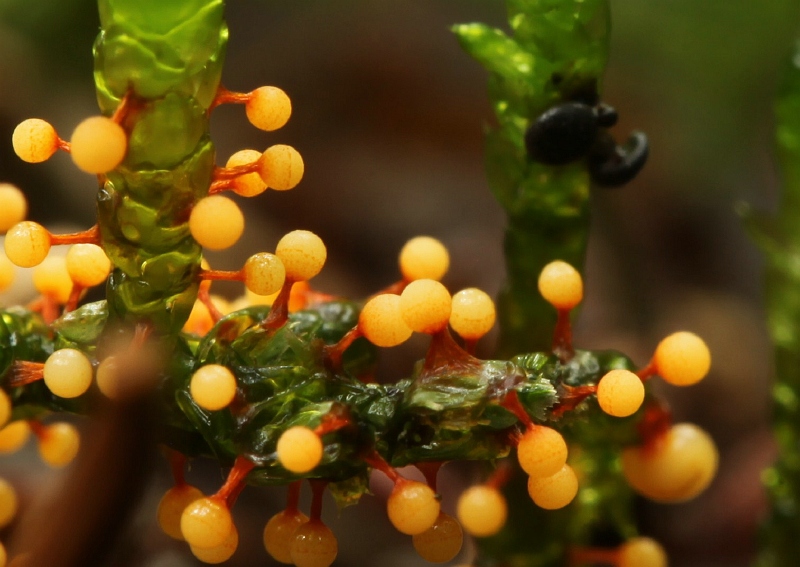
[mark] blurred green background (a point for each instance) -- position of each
(389, 115)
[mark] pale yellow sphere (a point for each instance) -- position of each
(68, 373)
(107, 377)
(313, 545)
(620, 393)
(299, 449)
(264, 274)
(303, 254)
(472, 314)
(281, 167)
(541, 451)
(216, 222)
(382, 323)
(268, 108)
(51, 278)
(220, 553)
(13, 436)
(34, 140)
(13, 206)
(412, 507)
(88, 264)
(641, 552)
(279, 534)
(98, 145)
(213, 387)
(206, 523)
(482, 510)
(8, 503)
(7, 273)
(59, 444)
(441, 542)
(424, 257)
(249, 184)
(556, 491)
(425, 306)
(678, 467)
(561, 285)
(682, 359)
(27, 244)
(171, 507)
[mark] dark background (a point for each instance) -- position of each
(388, 115)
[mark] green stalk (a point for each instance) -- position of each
(558, 48)
(779, 238)
(166, 58)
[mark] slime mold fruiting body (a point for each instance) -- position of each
(284, 392)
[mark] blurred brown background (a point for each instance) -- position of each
(389, 116)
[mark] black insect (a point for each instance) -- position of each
(576, 130)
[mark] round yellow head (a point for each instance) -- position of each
(98, 145)
(561, 285)
(682, 359)
(424, 257)
(268, 108)
(303, 254)
(425, 306)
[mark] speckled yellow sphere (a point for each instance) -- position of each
(27, 244)
(382, 323)
(424, 257)
(268, 108)
(281, 167)
(425, 306)
(34, 140)
(412, 507)
(541, 451)
(555, 491)
(264, 274)
(472, 314)
(88, 264)
(303, 254)
(682, 359)
(561, 285)
(620, 393)
(249, 184)
(206, 523)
